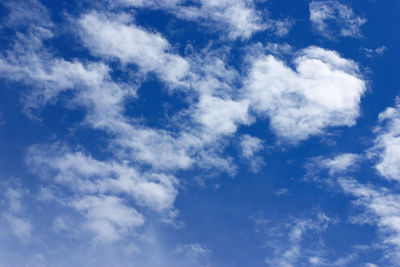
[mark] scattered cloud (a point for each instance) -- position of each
(282, 192)
(379, 51)
(135, 183)
(237, 19)
(287, 241)
(331, 18)
(382, 208)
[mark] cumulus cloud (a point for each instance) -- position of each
(386, 149)
(324, 90)
(115, 37)
(331, 18)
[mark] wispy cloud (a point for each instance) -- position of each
(382, 208)
(331, 18)
(287, 241)
(237, 19)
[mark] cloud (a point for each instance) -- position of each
(114, 36)
(288, 247)
(195, 253)
(382, 208)
(119, 194)
(224, 119)
(281, 192)
(238, 16)
(324, 90)
(13, 211)
(250, 146)
(107, 216)
(379, 51)
(386, 149)
(340, 164)
(86, 175)
(237, 19)
(26, 12)
(331, 18)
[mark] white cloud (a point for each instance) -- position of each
(379, 51)
(109, 193)
(116, 37)
(195, 253)
(339, 164)
(83, 174)
(282, 27)
(281, 192)
(26, 12)
(382, 208)
(13, 211)
(21, 227)
(108, 216)
(386, 147)
(221, 116)
(250, 146)
(323, 91)
(324, 13)
(288, 249)
(236, 18)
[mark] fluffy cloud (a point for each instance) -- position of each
(221, 116)
(387, 143)
(116, 37)
(325, 16)
(324, 90)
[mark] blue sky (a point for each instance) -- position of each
(199, 133)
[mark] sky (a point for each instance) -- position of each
(158, 133)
